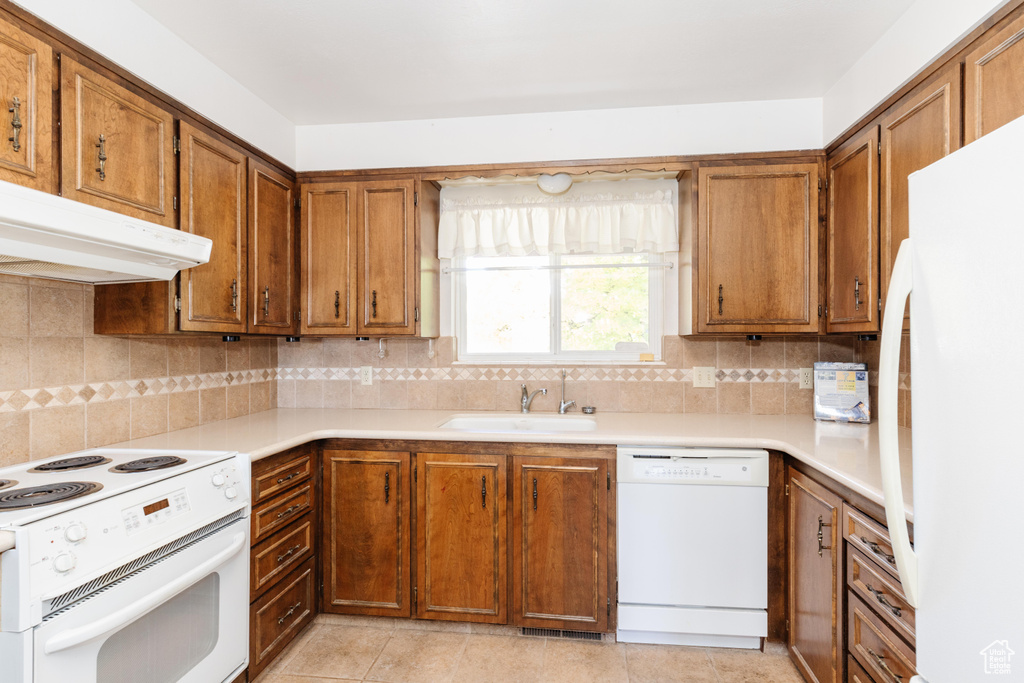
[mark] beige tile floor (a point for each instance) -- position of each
(338, 648)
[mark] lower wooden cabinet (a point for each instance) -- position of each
(277, 617)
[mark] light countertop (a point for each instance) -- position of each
(846, 453)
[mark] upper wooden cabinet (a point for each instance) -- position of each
(369, 258)
(213, 204)
(852, 284)
(757, 249)
(116, 147)
(918, 130)
(26, 82)
(994, 80)
(271, 251)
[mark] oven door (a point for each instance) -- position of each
(183, 618)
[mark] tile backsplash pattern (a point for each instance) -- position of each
(62, 388)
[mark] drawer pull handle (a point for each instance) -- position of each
(880, 660)
(16, 124)
(289, 612)
(291, 476)
(280, 558)
(101, 157)
(880, 596)
(821, 536)
(290, 510)
(877, 550)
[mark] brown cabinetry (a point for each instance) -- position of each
(757, 249)
(560, 543)
(271, 253)
(116, 147)
(26, 104)
(994, 80)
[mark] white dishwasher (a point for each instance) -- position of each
(692, 546)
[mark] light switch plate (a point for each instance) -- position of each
(806, 378)
(703, 377)
(366, 375)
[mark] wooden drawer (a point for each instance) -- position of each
(880, 590)
(280, 472)
(281, 511)
(855, 673)
(280, 553)
(278, 617)
(876, 646)
(870, 538)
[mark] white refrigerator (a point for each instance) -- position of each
(963, 268)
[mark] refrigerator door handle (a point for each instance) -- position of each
(888, 436)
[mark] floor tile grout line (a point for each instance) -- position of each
(711, 661)
(462, 653)
(391, 634)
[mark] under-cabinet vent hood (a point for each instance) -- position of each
(43, 235)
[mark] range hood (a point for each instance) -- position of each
(43, 235)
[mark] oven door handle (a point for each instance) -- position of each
(115, 620)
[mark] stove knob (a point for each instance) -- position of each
(74, 533)
(230, 493)
(217, 480)
(64, 562)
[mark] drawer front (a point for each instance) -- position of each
(278, 617)
(870, 538)
(280, 553)
(291, 471)
(880, 590)
(281, 511)
(855, 673)
(876, 646)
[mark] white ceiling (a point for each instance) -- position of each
(348, 61)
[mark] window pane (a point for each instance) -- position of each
(603, 307)
(507, 311)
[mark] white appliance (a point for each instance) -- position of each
(125, 565)
(693, 546)
(962, 268)
(43, 235)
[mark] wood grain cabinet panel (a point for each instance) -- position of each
(271, 257)
(882, 654)
(815, 580)
(994, 80)
(280, 511)
(26, 105)
(366, 523)
(328, 287)
(852, 283)
(387, 257)
(213, 205)
(918, 130)
(116, 147)
(277, 617)
(461, 537)
(757, 249)
(560, 543)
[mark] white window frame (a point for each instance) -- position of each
(656, 312)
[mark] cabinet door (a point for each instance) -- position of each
(461, 536)
(815, 580)
(213, 196)
(271, 250)
(116, 147)
(26, 102)
(560, 543)
(758, 249)
(365, 548)
(919, 130)
(853, 235)
(994, 80)
(328, 289)
(387, 257)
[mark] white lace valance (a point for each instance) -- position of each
(598, 217)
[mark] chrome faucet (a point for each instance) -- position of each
(528, 398)
(563, 405)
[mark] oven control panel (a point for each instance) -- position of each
(157, 511)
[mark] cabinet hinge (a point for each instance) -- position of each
(609, 475)
(177, 304)
(609, 607)
(787, 625)
(416, 314)
(298, 314)
(879, 304)
(415, 475)
(174, 203)
(176, 144)
(415, 598)
(787, 489)
(415, 198)
(819, 184)
(819, 310)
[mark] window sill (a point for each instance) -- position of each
(559, 364)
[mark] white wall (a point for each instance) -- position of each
(927, 29)
(122, 32)
(646, 131)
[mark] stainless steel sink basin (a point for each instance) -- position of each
(519, 423)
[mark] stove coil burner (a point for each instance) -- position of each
(6, 483)
(77, 463)
(32, 496)
(147, 464)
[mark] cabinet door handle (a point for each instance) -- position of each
(102, 157)
(289, 612)
(856, 292)
(535, 493)
(877, 550)
(266, 301)
(234, 295)
(880, 596)
(373, 303)
(821, 536)
(880, 660)
(16, 124)
(337, 304)
(280, 558)
(720, 299)
(483, 491)
(387, 487)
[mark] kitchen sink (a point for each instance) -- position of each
(519, 423)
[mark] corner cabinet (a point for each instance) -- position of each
(369, 258)
(26, 102)
(757, 249)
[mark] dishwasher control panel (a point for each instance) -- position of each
(714, 466)
(688, 471)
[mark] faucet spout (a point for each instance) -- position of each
(563, 405)
(528, 397)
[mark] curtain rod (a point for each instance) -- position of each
(581, 266)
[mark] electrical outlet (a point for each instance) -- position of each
(703, 377)
(806, 378)
(366, 375)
